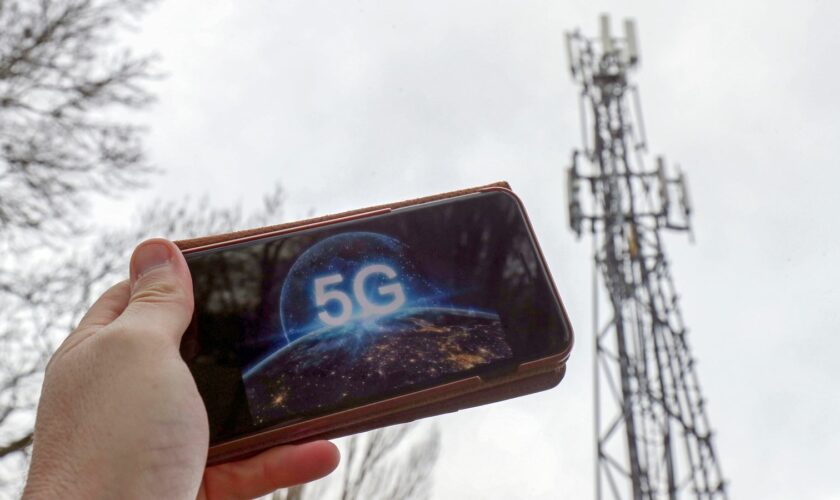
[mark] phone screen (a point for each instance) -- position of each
(299, 325)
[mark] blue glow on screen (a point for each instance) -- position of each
(352, 284)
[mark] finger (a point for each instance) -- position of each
(161, 295)
(276, 468)
(106, 308)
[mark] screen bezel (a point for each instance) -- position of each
(487, 375)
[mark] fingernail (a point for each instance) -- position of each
(150, 256)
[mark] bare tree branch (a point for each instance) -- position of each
(16, 445)
(293, 493)
(390, 463)
(61, 79)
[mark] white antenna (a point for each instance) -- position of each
(663, 184)
(632, 42)
(606, 37)
(569, 53)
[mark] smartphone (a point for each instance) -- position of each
(351, 323)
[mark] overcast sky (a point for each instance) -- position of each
(349, 104)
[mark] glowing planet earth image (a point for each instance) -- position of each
(362, 358)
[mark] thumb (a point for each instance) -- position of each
(161, 299)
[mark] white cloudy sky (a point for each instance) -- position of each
(354, 103)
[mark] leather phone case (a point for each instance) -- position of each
(528, 378)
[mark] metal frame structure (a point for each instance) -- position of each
(652, 433)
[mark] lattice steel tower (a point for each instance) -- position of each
(652, 434)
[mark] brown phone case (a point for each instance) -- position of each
(529, 377)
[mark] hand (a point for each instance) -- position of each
(120, 415)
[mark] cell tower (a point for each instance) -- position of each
(652, 434)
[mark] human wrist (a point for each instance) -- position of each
(71, 478)
(38, 488)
